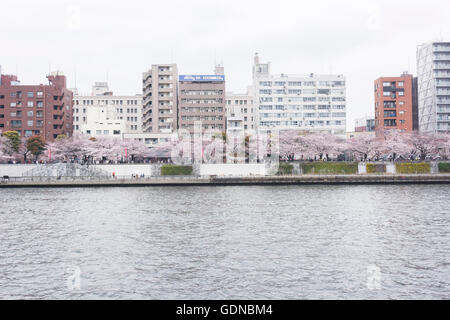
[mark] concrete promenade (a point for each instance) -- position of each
(228, 181)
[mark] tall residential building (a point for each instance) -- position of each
(240, 111)
(102, 113)
(433, 71)
(365, 124)
(306, 103)
(396, 103)
(160, 99)
(202, 98)
(44, 110)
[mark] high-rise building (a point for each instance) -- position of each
(43, 110)
(306, 103)
(396, 103)
(202, 98)
(160, 99)
(103, 114)
(240, 111)
(433, 71)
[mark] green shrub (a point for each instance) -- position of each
(376, 168)
(174, 170)
(285, 169)
(412, 168)
(330, 168)
(444, 167)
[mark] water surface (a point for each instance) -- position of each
(261, 242)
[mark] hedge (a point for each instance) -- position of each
(285, 169)
(330, 168)
(412, 168)
(174, 170)
(444, 167)
(375, 168)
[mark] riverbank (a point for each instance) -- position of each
(224, 181)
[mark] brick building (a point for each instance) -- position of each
(43, 110)
(396, 104)
(202, 98)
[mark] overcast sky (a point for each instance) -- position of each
(100, 40)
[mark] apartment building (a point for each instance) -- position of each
(306, 103)
(396, 103)
(101, 113)
(43, 110)
(160, 88)
(240, 111)
(202, 98)
(433, 72)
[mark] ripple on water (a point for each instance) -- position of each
(265, 242)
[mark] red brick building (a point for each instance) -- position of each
(396, 104)
(202, 99)
(44, 110)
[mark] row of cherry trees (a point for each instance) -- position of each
(291, 146)
(391, 145)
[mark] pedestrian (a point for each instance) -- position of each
(114, 175)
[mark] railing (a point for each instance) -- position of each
(103, 179)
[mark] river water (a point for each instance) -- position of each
(250, 242)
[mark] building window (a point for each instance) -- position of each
(390, 123)
(16, 123)
(30, 123)
(30, 113)
(390, 114)
(401, 84)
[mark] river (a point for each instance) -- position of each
(249, 242)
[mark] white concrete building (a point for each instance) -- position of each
(433, 77)
(306, 103)
(102, 113)
(240, 111)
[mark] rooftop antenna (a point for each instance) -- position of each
(75, 77)
(409, 64)
(215, 58)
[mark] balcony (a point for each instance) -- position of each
(441, 48)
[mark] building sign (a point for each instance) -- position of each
(202, 78)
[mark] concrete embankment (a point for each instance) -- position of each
(225, 181)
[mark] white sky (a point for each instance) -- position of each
(100, 40)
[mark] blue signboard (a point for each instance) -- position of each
(202, 78)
